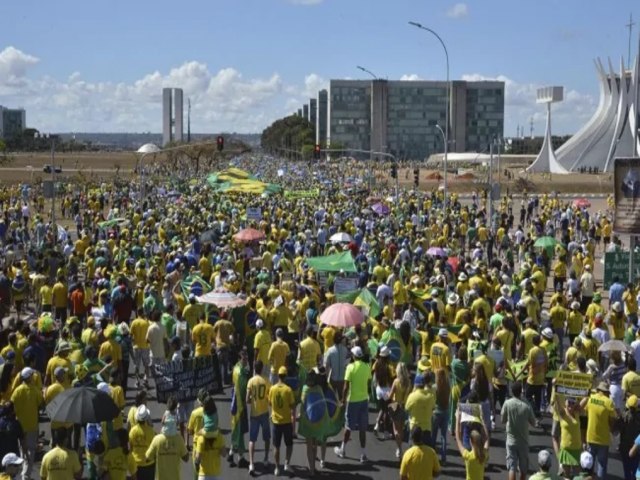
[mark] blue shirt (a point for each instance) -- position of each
(615, 293)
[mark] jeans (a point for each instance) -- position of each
(29, 453)
(534, 397)
(629, 465)
(600, 457)
(439, 424)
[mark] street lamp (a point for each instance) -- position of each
(146, 149)
(446, 127)
(367, 71)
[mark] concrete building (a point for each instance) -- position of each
(401, 117)
(172, 115)
(299, 112)
(13, 122)
(321, 118)
(305, 111)
(313, 107)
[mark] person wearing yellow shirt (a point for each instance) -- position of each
(209, 448)
(223, 331)
(420, 404)
(526, 338)
(46, 298)
(400, 297)
(111, 348)
(140, 437)
(601, 414)
(575, 321)
(60, 359)
(192, 312)
(419, 462)
(59, 299)
(258, 402)
(60, 463)
(309, 354)
(439, 354)
(328, 334)
(167, 449)
(559, 274)
(282, 401)
(630, 299)
(617, 321)
(477, 457)
(141, 356)
(27, 399)
(52, 391)
(278, 354)
(202, 337)
(537, 367)
(631, 380)
(262, 343)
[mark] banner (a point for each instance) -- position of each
(616, 264)
(626, 186)
(254, 213)
(572, 384)
(516, 368)
(302, 193)
(184, 378)
(345, 284)
(470, 412)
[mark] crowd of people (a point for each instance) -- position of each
(460, 336)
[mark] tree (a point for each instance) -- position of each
(289, 135)
(4, 157)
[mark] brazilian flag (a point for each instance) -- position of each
(334, 412)
(239, 420)
(393, 341)
(194, 284)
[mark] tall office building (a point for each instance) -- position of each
(401, 117)
(13, 122)
(313, 107)
(305, 111)
(172, 115)
(321, 118)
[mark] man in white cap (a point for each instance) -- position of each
(544, 465)
(440, 354)
(356, 398)
(11, 464)
(140, 438)
(27, 399)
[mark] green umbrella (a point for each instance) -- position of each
(545, 242)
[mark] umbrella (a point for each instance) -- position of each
(613, 346)
(381, 209)
(222, 298)
(340, 237)
(342, 315)
(545, 242)
(82, 405)
(209, 236)
(581, 203)
(249, 235)
(454, 262)
(436, 252)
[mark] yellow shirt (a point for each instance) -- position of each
(27, 400)
(46, 295)
(202, 336)
(600, 410)
(309, 353)
(570, 438)
(474, 467)
(262, 343)
(258, 389)
(110, 348)
(574, 322)
(631, 383)
(207, 449)
(117, 395)
(439, 356)
(419, 463)
(52, 392)
(282, 402)
(196, 421)
(118, 464)
(60, 464)
(278, 354)
(55, 362)
(191, 315)
(139, 329)
(140, 438)
(59, 295)
(167, 453)
(537, 362)
(328, 334)
(419, 406)
(223, 329)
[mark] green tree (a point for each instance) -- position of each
(288, 135)
(4, 157)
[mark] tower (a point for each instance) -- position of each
(172, 115)
(546, 160)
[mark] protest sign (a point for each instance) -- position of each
(345, 284)
(572, 384)
(184, 378)
(470, 412)
(254, 213)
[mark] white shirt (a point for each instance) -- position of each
(601, 335)
(635, 349)
(155, 336)
(383, 293)
(588, 284)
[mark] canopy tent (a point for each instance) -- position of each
(240, 181)
(333, 263)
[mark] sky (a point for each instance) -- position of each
(100, 65)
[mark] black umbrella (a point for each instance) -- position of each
(82, 405)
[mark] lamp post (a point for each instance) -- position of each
(375, 77)
(446, 126)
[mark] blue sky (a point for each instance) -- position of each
(100, 65)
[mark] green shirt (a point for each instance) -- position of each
(358, 374)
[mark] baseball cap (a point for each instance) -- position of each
(544, 458)
(547, 333)
(142, 413)
(104, 387)
(282, 370)
(27, 372)
(586, 461)
(443, 332)
(418, 381)
(59, 371)
(11, 459)
(356, 352)
(259, 323)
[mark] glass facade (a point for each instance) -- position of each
(485, 115)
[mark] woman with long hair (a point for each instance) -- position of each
(480, 384)
(382, 375)
(460, 373)
(441, 413)
(570, 437)
(400, 389)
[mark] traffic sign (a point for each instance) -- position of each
(616, 264)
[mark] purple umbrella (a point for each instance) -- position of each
(381, 209)
(436, 252)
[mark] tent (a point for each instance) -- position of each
(333, 263)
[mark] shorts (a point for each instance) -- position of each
(282, 430)
(517, 459)
(357, 417)
(142, 357)
(254, 427)
(382, 393)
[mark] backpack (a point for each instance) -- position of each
(93, 435)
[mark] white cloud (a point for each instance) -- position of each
(458, 10)
(520, 107)
(411, 77)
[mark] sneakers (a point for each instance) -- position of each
(339, 452)
(363, 458)
(397, 453)
(287, 468)
(252, 469)
(321, 464)
(276, 472)
(375, 431)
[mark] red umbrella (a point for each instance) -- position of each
(249, 235)
(342, 315)
(454, 262)
(581, 203)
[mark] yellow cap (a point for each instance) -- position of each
(632, 401)
(282, 371)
